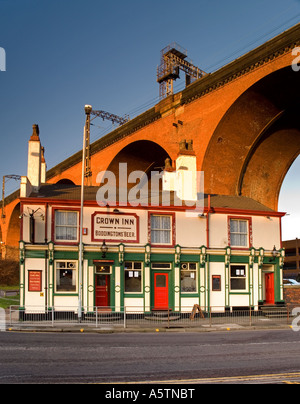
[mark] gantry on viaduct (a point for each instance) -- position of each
(243, 121)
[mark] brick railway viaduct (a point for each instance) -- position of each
(243, 120)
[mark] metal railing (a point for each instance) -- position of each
(136, 317)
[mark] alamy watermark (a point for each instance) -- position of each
(139, 189)
(2, 60)
(296, 61)
(2, 320)
(296, 321)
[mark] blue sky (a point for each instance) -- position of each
(63, 54)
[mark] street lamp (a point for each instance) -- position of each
(104, 249)
(274, 252)
(88, 109)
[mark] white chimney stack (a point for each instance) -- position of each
(183, 179)
(34, 159)
(186, 169)
(43, 167)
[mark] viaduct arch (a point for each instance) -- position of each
(141, 155)
(10, 227)
(257, 140)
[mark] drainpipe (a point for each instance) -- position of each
(46, 257)
(207, 221)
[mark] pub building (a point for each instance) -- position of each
(224, 254)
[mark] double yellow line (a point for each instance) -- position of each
(268, 378)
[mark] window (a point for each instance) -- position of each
(161, 265)
(103, 269)
(161, 281)
(188, 276)
(239, 233)
(66, 272)
(161, 229)
(133, 277)
(237, 277)
(66, 224)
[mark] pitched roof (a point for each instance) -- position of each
(68, 192)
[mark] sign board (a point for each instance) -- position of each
(121, 227)
(34, 281)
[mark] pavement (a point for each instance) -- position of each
(10, 322)
(107, 329)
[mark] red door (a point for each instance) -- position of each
(161, 291)
(269, 283)
(102, 289)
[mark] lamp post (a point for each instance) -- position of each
(274, 252)
(88, 110)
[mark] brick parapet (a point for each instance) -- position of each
(292, 295)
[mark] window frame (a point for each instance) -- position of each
(68, 210)
(161, 266)
(246, 289)
(249, 238)
(66, 292)
(172, 229)
(188, 270)
(141, 270)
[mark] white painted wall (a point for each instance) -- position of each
(190, 231)
(266, 232)
(34, 298)
(217, 299)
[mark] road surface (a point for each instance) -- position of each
(220, 357)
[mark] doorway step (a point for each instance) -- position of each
(104, 316)
(162, 315)
(273, 311)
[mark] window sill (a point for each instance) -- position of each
(133, 295)
(241, 292)
(65, 294)
(189, 294)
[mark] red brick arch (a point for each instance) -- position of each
(257, 140)
(12, 233)
(143, 155)
(66, 181)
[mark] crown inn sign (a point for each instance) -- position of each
(115, 227)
